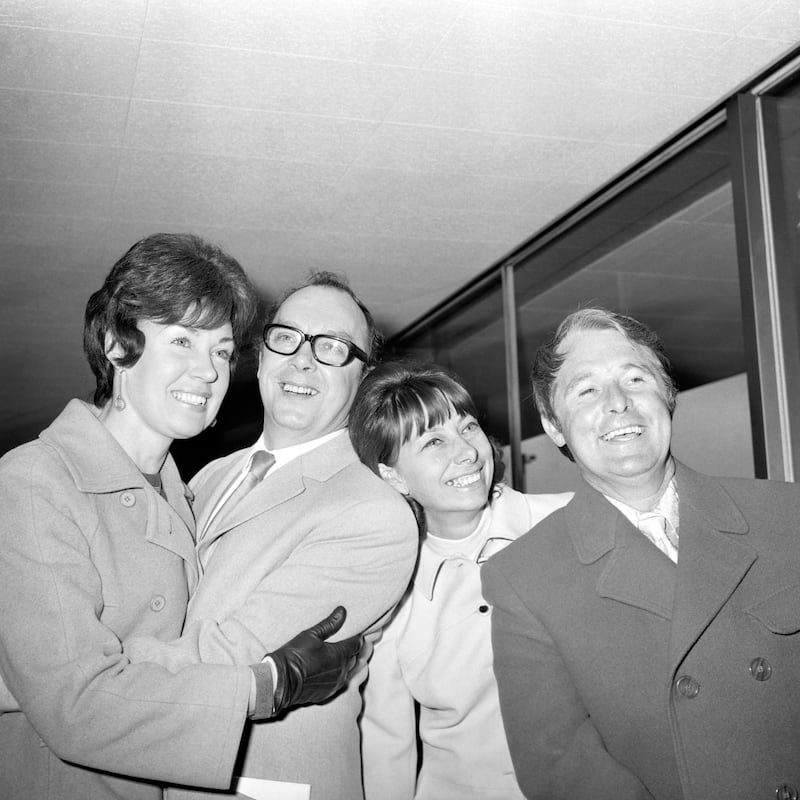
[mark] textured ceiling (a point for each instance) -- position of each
(408, 143)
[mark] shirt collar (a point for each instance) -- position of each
(667, 507)
(283, 455)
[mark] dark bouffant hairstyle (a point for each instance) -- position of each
(401, 399)
(167, 278)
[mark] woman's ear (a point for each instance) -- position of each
(389, 474)
(113, 348)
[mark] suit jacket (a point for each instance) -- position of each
(320, 531)
(622, 675)
(89, 555)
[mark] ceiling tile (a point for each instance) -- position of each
(54, 162)
(400, 32)
(241, 132)
(75, 63)
(67, 199)
(223, 76)
(62, 117)
(117, 18)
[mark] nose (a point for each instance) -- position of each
(617, 399)
(303, 358)
(466, 452)
(204, 368)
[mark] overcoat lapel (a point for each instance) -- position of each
(99, 465)
(636, 572)
(711, 562)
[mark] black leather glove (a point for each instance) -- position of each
(310, 669)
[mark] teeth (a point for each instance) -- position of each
(192, 399)
(293, 388)
(631, 429)
(465, 480)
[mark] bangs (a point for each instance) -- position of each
(420, 405)
(211, 312)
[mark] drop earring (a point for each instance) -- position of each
(119, 400)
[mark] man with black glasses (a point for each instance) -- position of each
(293, 526)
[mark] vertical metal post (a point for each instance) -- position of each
(512, 377)
(770, 330)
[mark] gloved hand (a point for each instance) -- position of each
(310, 669)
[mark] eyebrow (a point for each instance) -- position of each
(195, 329)
(339, 334)
(587, 374)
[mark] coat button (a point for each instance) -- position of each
(484, 609)
(786, 792)
(127, 499)
(687, 686)
(761, 669)
(157, 602)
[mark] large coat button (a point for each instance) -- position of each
(786, 792)
(157, 602)
(761, 669)
(687, 686)
(127, 499)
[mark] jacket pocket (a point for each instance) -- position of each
(780, 612)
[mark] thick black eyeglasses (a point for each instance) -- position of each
(330, 350)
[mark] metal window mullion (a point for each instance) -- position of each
(512, 377)
(760, 290)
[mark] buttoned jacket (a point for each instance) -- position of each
(436, 652)
(320, 531)
(89, 555)
(622, 675)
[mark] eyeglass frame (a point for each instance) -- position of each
(353, 350)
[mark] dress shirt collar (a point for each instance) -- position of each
(283, 455)
(667, 507)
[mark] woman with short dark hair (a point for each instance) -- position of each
(416, 425)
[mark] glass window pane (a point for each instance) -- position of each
(665, 253)
(471, 342)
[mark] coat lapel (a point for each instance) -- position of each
(284, 483)
(711, 561)
(210, 484)
(636, 572)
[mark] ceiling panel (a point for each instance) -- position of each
(409, 144)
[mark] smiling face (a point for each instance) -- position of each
(448, 470)
(302, 398)
(611, 410)
(173, 391)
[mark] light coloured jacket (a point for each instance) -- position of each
(90, 554)
(437, 652)
(318, 532)
(623, 676)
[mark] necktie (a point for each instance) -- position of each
(654, 526)
(259, 466)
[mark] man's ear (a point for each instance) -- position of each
(389, 474)
(553, 432)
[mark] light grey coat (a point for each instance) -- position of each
(90, 554)
(320, 531)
